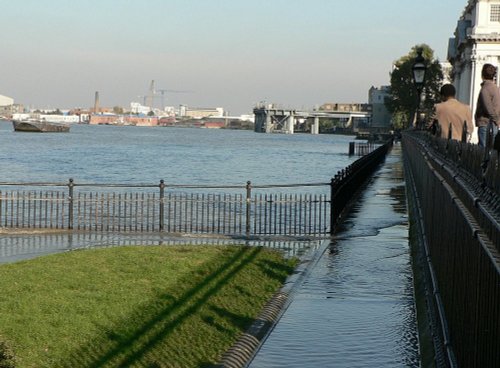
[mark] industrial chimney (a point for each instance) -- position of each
(96, 103)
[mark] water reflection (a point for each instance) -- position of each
(16, 247)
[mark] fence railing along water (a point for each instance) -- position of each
(361, 148)
(246, 210)
(458, 206)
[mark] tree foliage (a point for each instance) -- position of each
(118, 110)
(403, 99)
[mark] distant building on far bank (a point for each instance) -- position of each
(200, 112)
(6, 101)
(8, 107)
(381, 117)
(476, 42)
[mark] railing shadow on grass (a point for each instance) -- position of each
(161, 318)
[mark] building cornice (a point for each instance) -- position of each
(492, 37)
(486, 38)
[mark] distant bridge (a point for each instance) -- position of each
(270, 119)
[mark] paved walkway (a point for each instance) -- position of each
(356, 306)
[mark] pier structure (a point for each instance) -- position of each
(272, 119)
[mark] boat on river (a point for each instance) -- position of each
(39, 126)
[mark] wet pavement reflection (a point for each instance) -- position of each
(356, 307)
(31, 244)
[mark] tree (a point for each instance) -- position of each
(118, 110)
(403, 100)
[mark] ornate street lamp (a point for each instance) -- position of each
(419, 68)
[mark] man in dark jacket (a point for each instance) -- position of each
(488, 104)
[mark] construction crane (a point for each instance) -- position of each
(160, 93)
(163, 92)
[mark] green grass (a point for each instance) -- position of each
(147, 306)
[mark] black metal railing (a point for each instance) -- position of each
(459, 218)
(479, 163)
(172, 209)
(246, 210)
(361, 148)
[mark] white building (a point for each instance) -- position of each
(6, 101)
(476, 42)
(137, 108)
(200, 112)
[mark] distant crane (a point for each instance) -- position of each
(160, 93)
(163, 92)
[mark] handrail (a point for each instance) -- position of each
(166, 185)
(459, 215)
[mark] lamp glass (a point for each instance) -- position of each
(419, 75)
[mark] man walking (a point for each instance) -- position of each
(488, 104)
(452, 114)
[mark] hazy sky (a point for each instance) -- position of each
(228, 53)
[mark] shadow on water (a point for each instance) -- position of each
(160, 318)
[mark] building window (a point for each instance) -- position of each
(495, 13)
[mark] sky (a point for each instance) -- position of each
(211, 53)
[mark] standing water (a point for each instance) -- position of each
(356, 307)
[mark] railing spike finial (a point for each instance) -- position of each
(464, 132)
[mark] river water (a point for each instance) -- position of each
(110, 154)
(354, 310)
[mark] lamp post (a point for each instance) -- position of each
(419, 69)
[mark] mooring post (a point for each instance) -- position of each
(71, 185)
(162, 204)
(351, 148)
(248, 208)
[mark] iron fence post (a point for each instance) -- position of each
(71, 185)
(248, 207)
(487, 147)
(332, 208)
(352, 146)
(464, 132)
(162, 204)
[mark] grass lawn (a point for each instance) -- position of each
(148, 306)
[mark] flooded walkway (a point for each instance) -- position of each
(356, 306)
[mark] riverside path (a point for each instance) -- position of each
(355, 307)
